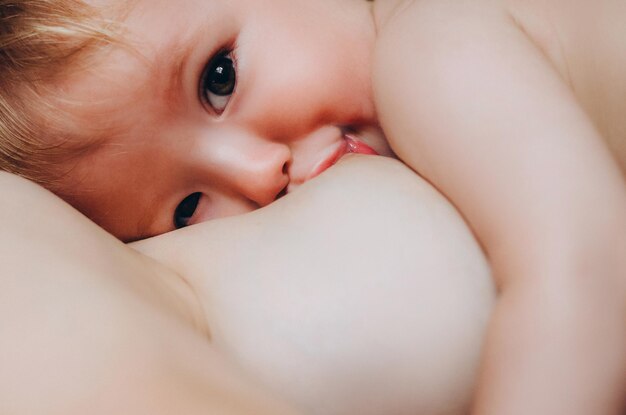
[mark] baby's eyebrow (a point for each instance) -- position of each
(173, 77)
(168, 67)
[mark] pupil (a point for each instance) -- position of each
(222, 77)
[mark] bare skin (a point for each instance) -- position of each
(361, 293)
(168, 132)
(507, 111)
(359, 326)
(90, 326)
(523, 130)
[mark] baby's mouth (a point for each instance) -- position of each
(349, 145)
(339, 142)
(352, 142)
(359, 147)
(372, 137)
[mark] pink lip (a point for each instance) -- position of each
(348, 145)
(358, 147)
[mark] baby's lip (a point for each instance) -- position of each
(327, 148)
(348, 145)
(359, 147)
(340, 151)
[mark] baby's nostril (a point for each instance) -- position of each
(286, 168)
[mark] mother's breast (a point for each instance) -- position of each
(364, 292)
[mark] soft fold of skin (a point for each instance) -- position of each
(363, 292)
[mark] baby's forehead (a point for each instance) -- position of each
(107, 95)
(139, 65)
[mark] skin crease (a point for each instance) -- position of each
(293, 96)
(386, 317)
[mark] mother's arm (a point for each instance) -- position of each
(89, 326)
(474, 106)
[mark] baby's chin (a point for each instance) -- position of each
(362, 293)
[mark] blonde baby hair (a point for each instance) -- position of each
(40, 41)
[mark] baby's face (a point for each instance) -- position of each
(227, 106)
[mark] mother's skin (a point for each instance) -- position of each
(363, 292)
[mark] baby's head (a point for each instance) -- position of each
(152, 115)
(40, 44)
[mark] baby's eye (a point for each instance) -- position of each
(185, 210)
(218, 82)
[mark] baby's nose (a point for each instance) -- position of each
(262, 175)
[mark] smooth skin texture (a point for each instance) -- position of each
(362, 293)
(492, 102)
(500, 104)
(90, 326)
(377, 320)
(301, 79)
